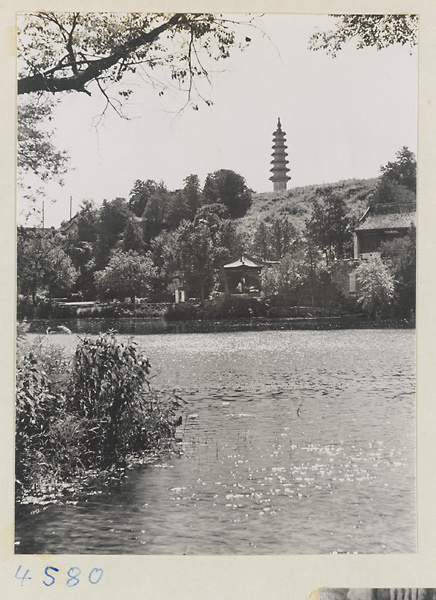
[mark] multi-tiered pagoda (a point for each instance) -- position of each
(279, 162)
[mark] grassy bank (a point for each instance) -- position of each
(84, 418)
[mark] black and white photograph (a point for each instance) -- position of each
(375, 594)
(216, 297)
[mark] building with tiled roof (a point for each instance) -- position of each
(244, 262)
(243, 276)
(382, 223)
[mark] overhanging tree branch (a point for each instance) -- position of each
(47, 81)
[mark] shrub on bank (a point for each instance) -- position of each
(184, 312)
(84, 414)
(111, 391)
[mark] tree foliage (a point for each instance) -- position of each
(192, 192)
(113, 218)
(140, 194)
(79, 417)
(398, 179)
(158, 212)
(202, 246)
(329, 225)
(43, 266)
(299, 278)
(375, 285)
(400, 255)
(287, 277)
(133, 237)
(128, 274)
(273, 240)
(111, 391)
(403, 170)
(35, 405)
(87, 222)
(80, 243)
(228, 188)
(70, 51)
(36, 152)
(379, 31)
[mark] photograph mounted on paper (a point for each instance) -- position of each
(216, 283)
(374, 594)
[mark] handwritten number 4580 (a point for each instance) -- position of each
(73, 573)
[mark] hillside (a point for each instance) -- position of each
(295, 203)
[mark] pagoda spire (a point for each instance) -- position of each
(279, 161)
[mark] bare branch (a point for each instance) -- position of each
(109, 102)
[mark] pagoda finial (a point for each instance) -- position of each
(279, 125)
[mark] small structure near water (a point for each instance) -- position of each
(243, 276)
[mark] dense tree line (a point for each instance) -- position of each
(134, 247)
(156, 240)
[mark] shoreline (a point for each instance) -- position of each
(155, 325)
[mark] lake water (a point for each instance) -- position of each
(292, 442)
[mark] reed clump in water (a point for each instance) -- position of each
(85, 416)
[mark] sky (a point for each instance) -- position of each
(344, 117)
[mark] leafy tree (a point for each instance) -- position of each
(177, 209)
(140, 195)
(38, 159)
(133, 237)
(379, 31)
(329, 225)
(390, 192)
(36, 152)
(375, 285)
(72, 51)
(80, 243)
(228, 188)
(283, 236)
(42, 263)
(69, 51)
(287, 277)
(164, 211)
(260, 244)
(403, 170)
(203, 246)
(398, 179)
(272, 241)
(155, 216)
(192, 191)
(128, 274)
(113, 218)
(88, 219)
(400, 255)
(164, 249)
(81, 254)
(299, 277)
